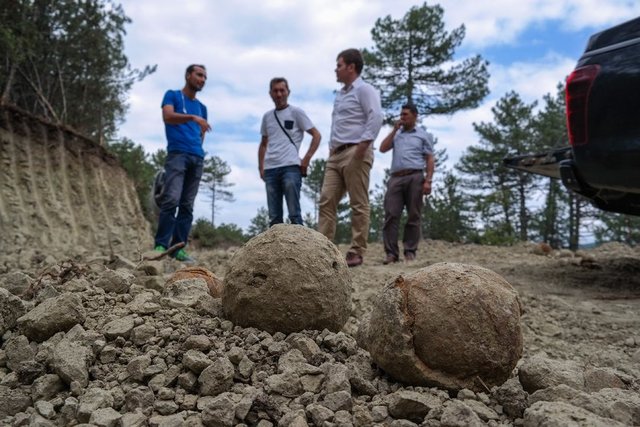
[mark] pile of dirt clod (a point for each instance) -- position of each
(102, 342)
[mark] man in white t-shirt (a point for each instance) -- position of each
(280, 166)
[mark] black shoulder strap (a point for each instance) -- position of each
(283, 129)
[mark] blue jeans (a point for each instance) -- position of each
(284, 181)
(182, 179)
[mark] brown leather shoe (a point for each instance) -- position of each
(390, 259)
(409, 256)
(353, 259)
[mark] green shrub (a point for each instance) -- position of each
(206, 235)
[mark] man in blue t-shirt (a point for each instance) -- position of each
(185, 123)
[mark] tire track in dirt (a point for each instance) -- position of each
(30, 177)
(14, 202)
(80, 197)
(65, 189)
(5, 168)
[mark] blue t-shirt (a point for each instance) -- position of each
(185, 138)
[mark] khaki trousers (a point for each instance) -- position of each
(345, 175)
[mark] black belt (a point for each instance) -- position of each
(405, 172)
(343, 147)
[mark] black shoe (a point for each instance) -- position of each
(390, 259)
(353, 259)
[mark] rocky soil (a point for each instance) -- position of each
(102, 341)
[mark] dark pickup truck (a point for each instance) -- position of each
(602, 161)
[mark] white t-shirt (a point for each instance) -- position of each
(280, 151)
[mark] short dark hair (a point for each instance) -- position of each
(277, 80)
(192, 66)
(352, 56)
(411, 107)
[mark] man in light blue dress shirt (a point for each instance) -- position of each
(412, 156)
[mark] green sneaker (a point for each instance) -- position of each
(159, 248)
(183, 256)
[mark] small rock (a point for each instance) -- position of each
(411, 405)
(119, 328)
(540, 372)
(560, 414)
(197, 342)
(51, 316)
(116, 281)
(457, 413)
(93, 400)
(196, 361)
(338, 401)
(45, 409)
(11, 308)
(16, 282)
(512, 397)
(217, 377)
(105, 417)
(220, 411)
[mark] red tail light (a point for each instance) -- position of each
(578, 89)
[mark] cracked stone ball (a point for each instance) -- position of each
(213, 283)
(287, 279)
(448, 325)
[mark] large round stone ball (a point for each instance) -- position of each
(448, 325)
(287, 279)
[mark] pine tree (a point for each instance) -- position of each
(501, 194)
(135, 161)
(551, 132)
(412, 62)
(259, 223)
(64, 60)
(617, 227)
(214, 183)
(445, 215)
(312, 184)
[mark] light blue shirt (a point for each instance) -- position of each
(410, 149)
(357, 114)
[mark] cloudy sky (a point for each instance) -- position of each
(531, 45)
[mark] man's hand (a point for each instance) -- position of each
(304, 165)
(361, 150)
(204, 126)
(426, 187)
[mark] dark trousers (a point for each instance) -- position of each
(402, 191)
(182, 179)
(284, 182)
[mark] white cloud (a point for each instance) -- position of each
(502, 21)
(531, 79)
